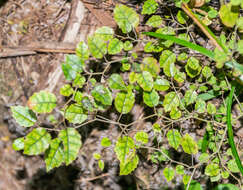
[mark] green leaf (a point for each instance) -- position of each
(142, 137)
(132, 77)
(75, 114)
(174, 138)
(185, 43)
(36, 142)
(188, 144)
(115, 46)
(149, 7)
(71, 140)
(206, 72)
(79, 81)
(105, 142)
(161, 84)
(194, 185)
(87, 104)
(66, 90)
(226, 187)
(212, 13)
(240, 46)
(200, 106)
(208, 95)
(54, 156)
(203, 158)
(128, 166)
(82, 51)
(151, 99)
(145, 81)
(124, 148)
(97, 46)
(127, 45)
(158, 156)
(105, 32)
(181, 17)
(42, 102)
(116, 82)
(190, 96)
(180, 77)
(175, 113)
(232, 166)
(96, 156)
(78, 96)
(156, 128)
(124, 102)
(102, 94)
(212, 169)
(240, 23)
(211, 109)
(192, 67)
(220, 57)
(150, 65)
(182, 56)
(168, 173)
(171, 100)
(167, 62)
(180, 169)
(225, 174)
(73, 65)
(23, 116)
(101, 164)
(228, 14)
(126, 18)
(154, 21)
(186, 179)
(18, 144)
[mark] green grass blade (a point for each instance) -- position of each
(205, 142)
(230, 130)
(185, 43)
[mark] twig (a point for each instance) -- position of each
(94, 178)
(187, 10)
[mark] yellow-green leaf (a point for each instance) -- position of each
(149, 7)
(71, 140)
(23, 116)
(124, 102)
(36, 142)
(102, 94)
(151, 99)
(171, 100)
(18, 144)
(126, 18)
(75, 114)
(168, 173)
(104, 32)
(97, 46)
(82, 51)
(66, 90)
(174, 138)
(54, 156)
(128, 166)
(189, 145)
(42, 102)
(145, 80)
(229, 14)
(115, 46)
(154, 21)
(116, 82)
